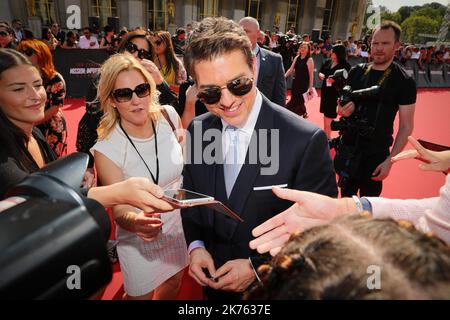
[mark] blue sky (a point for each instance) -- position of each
(394, 5)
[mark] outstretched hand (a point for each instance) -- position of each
(433, 160)
(310, 210)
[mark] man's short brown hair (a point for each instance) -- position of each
(387, 24)
(214, 37)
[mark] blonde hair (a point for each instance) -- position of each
(109, 72)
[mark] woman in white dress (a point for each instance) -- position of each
(136, 139)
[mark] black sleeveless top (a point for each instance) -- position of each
(301, 81)
(12, 172)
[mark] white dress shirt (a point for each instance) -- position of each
(86, 44)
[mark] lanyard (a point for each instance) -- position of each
(155, 180)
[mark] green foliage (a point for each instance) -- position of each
(414, 25)
(417, 19)
(393, 16)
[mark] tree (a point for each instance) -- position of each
(436, 14)
(414, 25)
(406, 11)
(393, 16)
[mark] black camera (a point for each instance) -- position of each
(340, 79)
(358, 122)
(348, 156)
(52, 238)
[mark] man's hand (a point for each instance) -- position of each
(200, 259)
(310, 210)
(347, 110)
(434, 161)
(382, 171)
(235, 275)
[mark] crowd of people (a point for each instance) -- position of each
(230, 77)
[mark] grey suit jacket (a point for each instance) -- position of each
(271, 80)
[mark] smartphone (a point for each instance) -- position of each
(433, 146)
(186, 198)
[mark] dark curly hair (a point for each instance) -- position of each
(335, 262)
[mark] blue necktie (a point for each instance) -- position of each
(231, 166)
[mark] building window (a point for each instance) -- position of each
(158, 14)
(254, 9)
(104, 9)
(328, 16)
(44, 9)
(292, 14)
(207, 8)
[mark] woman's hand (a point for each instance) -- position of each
(88, 179)
(147, 226)
(434, 161)
(141, 193)
(153, 70)
(308, 211)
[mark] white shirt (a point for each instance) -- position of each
(86, 44)
(244, 133)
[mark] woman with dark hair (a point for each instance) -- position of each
(49, 39)
(108, 39)
(71, 41)
(167, 62)
(303, 67)
(24, 149)
(139, 44)
(329, 92)
(53, 126)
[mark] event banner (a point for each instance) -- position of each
(79, 68)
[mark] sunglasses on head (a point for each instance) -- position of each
(28, 52)
(142, 54)
(125, 94)
(238, 87)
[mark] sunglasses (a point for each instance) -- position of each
(238, 87)
(28, 52)
(3, 33)
(142, 54)
(158, 42)
(125, 94)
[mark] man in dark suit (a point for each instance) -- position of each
(269, 65)
(237, 152)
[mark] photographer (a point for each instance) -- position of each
(363, 158)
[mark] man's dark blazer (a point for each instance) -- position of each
(271, 80)
(304, 164)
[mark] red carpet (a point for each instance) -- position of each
(405, 180)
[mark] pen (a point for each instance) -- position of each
(270, 187)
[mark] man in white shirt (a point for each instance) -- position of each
(245, 127)
(88, 41)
